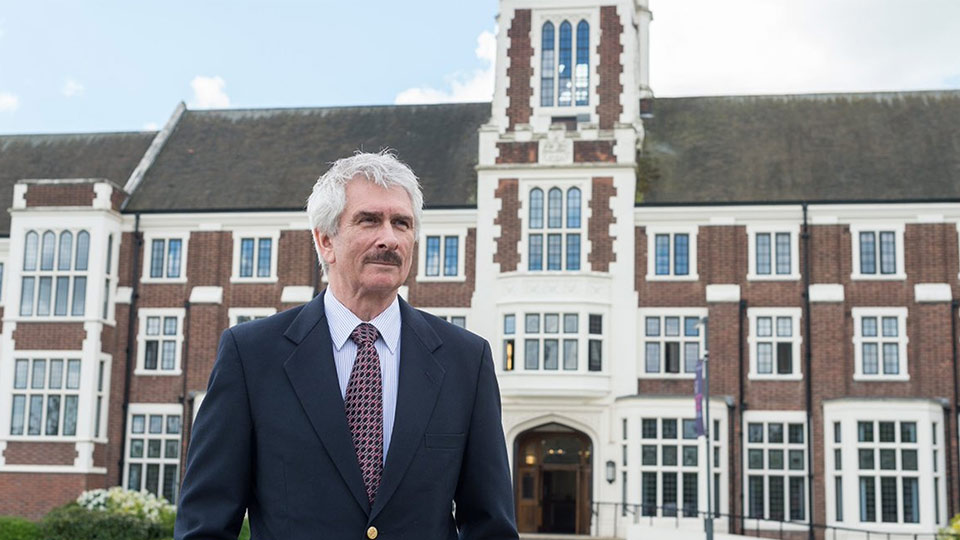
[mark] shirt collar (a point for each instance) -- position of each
(342, 321)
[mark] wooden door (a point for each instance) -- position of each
(528, 498)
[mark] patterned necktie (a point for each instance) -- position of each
(364, 407)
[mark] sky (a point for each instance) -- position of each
(112, 65)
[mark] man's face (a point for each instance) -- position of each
(371, 253)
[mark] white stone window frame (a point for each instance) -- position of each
(796, 339)
(148, 238)
(153, 409)
(642, 338)
(543, 114)
(652, 231)
(564, 184)
(680, 410)
(779, 417)
(897, 229)
(958, 248)
(583, 337)
(256, 234)
(902, 340)
(83, 428)
(461, 234)
(447, 313)
(773, 230)
(101, 391)
(849, 412)
(72, 274)
(142, 337)
(235, 312)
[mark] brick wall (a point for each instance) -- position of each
(40, 453)
(610, 88)
(520, 71)
(509, 222)
(593, 152)
(601, 217)
(49, 335)
(517, 152)
(60, 195)
(32, 495)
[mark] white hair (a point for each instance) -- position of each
(329, 196)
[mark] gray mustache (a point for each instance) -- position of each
(387, 257)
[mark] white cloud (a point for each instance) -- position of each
(208, 92)
(475, 86)
(703, 47)
(71, 88)
(9, 102)
(151, 126)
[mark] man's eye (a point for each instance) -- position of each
(402, 223)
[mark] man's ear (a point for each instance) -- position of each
(324, 245)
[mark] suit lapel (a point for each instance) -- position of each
(313, 374)
(418, 388)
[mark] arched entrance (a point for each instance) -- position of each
(553, 480)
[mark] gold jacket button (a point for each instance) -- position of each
(372, 533)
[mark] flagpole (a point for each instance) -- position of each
(708, 520)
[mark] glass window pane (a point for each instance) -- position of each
(532, 323)
(156, 258)
(53, 415)
(868, 326)
(573, 208)
(554, 251)
(21, 373)
(56, 375)
(137, 426)
(783, 253)
(546, 65)
(756, 509)
(30, 251)
(582, 70)
(888, 459)
(153, 479)
(79, 296)
(868, 253)
(653, 326)
(168, 355)
(865, 431)
(62, 296)
(16, 419)
(66, 250)
(764, 326)
(671, 326)
(536, 207)
(171, 448)
(450, 255)
(169, 482)
(763, 253)
(536, 252)
(764, 358)
(755, 432)
(83, 251)
(649, 428)
(796, 433)
(173, 424)
(689, 428)
(784, 327)
(136, 448)
(554, 208)
(911, 502)
(865, 456)
(669, 427)
(43, 296)
(48, 250)
(691, 326)
(652, 357)
(133, 477)
(775, 459)
(153, 448)
(565, 66)
(458, 321)
(648, 454)
(754, 458)
(595, 355)
(573, 251)
(691, 354)
(26, 296)
(681, 254)
(668, 454)
(173, 257)
(662, 255)
(775, 498)
(887, 432)
(531, 357)
(870, 361)
(908, 432)
(889, 327)
(551, 323)
(888, 500)
(797, 499)
(264, 250)
(169, 326)
(246, 257)
(153, 326)
(888, 253)
(550, 354)
(156, 423)
(36, 414)
(38, 380)
(70, 415)
(775, 432)
(151, 354)
(73, 374)
(570, 354)
(796, 460)
(571, 323)
(891, 359)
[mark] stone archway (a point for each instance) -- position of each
(553, 480)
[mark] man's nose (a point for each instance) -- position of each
(388, 238)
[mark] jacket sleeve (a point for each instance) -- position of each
(484, 496)
(217, 481)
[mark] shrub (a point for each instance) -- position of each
(15, 528)
(72, 522)
(118, 500)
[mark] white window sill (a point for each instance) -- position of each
(880, 378)
(235, 279)
(51, 318)
(44, 438)
(654, 277)
(773, 277)
(158, 373)
(681, 376)
(900, 276)
(441, 279)
(775, 377)
(770, 525)
(164, 280)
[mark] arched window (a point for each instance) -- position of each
(66, 248)
(536, 208)
(547, 62)
(30, 251)
(83, 249)
(555, 208)
(582, 71)
(564, 67)
(47, 250)
(573, 208)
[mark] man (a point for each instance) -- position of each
(355, 415)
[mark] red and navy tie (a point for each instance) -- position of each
(364, 407)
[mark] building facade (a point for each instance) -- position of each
(586, 229)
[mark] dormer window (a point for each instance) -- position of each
(565, 80)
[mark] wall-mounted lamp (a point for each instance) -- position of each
(611, 471)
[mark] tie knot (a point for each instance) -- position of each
(364, 334)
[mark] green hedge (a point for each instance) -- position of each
(72, 522)
(15, 528)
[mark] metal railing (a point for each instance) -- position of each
(749, 526)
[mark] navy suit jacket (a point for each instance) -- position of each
(271, 436)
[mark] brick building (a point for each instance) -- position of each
(581, 226)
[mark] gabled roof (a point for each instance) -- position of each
(81, 155)
(270, 158)
(826, 147)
